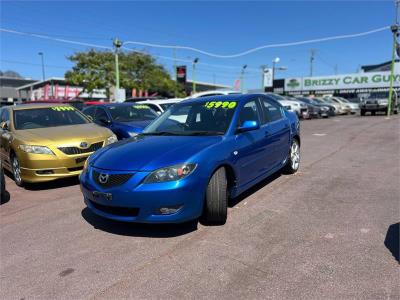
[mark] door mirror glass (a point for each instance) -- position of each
(249, 126)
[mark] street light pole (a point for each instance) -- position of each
(395, 30)
(117, 44)
(43, 74)
(195, 61)
(242, 78)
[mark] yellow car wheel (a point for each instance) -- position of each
(16, 170)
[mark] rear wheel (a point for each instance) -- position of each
(16, 170)
(293, 162)
(362, 112)
(216, 203)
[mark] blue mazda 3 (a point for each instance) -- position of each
(124, 119)
(187, 163)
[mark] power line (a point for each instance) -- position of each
(338, 37)
(68, 41)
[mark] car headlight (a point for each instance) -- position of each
(36, 149)
(112, 139)
(170, 173)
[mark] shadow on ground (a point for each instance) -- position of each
(392, 240)
(254, 189)
(138, 229)
(56, 184)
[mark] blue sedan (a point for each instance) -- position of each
(189, 161)
(124, 119)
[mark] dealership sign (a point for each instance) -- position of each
(342, 82)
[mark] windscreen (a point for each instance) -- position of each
(47, 117)
(127, 113)
(195, 118)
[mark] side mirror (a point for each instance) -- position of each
(287, 107)
(248, 126)
(4, 125)
(105, 121)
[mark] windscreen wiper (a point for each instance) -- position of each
(205, 133)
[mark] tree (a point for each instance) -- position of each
(11, 74)
(96, 70)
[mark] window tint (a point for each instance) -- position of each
(249, 112)
(46, 117)
(101, 114)
(272, 111)
(90, 111)
(5, 116)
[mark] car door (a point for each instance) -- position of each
(249, 145)
(5, 136)
(276, 132)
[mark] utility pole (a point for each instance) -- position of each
(195, 61)
(117, 44)
(395, 31)
(43, 75)
(312, 57)
(174, 70)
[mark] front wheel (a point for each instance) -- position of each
(16, 170)
(216, 202)
(293, 162)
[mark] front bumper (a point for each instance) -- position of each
(37, 168)
(134, 201)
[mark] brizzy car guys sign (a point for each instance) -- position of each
(342, 82)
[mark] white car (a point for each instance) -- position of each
(296, 106)
(344, 109)
(214, 93)
(159, 106)
(354, 107)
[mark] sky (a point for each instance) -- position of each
(222, 27)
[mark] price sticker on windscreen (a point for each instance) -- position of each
(63, 108)
(141, 107)
(221, 104)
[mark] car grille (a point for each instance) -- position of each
(76, 150)
(113, 179)
(116, 210)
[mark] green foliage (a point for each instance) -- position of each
(96, 70)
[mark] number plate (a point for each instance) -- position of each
(102, 196)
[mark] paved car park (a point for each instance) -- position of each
(328, 231)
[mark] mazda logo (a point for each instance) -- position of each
(83, 145)
(103, 178)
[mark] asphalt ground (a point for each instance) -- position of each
(328, 232)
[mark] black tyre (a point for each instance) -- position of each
(216, 202)
(16, 170)
(362, 112)
(293, 162)
(2, 185)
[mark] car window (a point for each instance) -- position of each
(128, 113)
(272, 111)
(209, 95)
(154, 107)
(47, 117)
(194, 118)
(90, 111)
(249, 112)
(5, 116)
(101, 114)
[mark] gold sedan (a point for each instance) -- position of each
(45, 142)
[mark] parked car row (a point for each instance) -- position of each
(183, 165)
